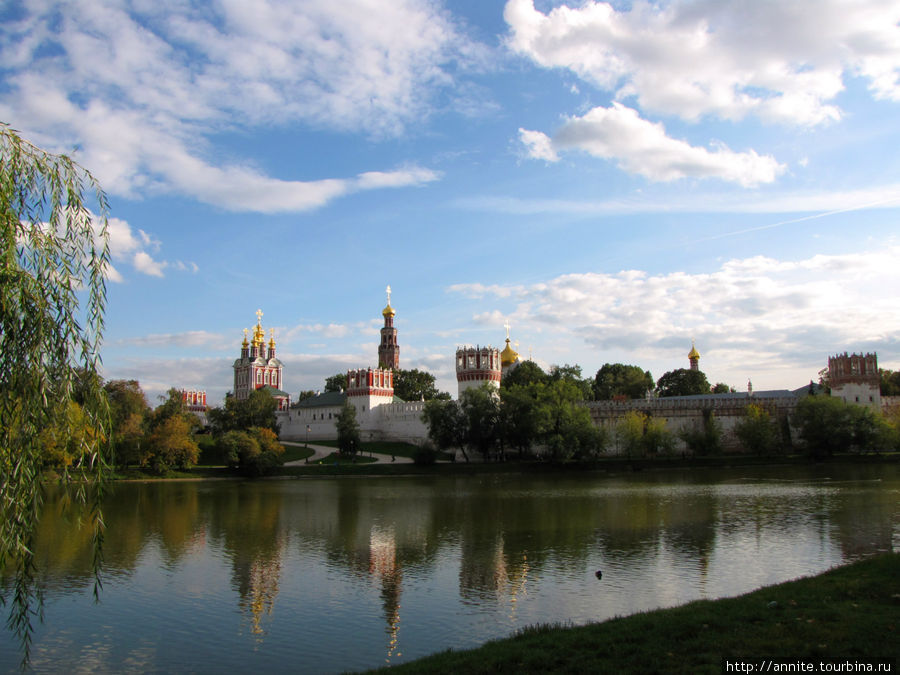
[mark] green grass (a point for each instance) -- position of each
(337, 459)
(292, 453)
(850, 613)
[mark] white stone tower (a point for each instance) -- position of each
(477, 365)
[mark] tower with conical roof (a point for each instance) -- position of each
(389, 349)
(694, 357)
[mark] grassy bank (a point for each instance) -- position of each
(850, 613)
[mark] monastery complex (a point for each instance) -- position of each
(382, 416)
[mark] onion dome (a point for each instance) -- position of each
(388, 311)
(508, 356)
(693, 354)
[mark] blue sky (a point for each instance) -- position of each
(614, 180)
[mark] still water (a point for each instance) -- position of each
(327, 575)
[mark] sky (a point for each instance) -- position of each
(614, 179)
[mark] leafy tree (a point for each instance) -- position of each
(128, 415)
(170, 445)
(302, 396)
(828, 425)
(64, 442)
(347, 430)
(757, 431)
(446, 425)
(336, 382)
(523, 420)
(53, 257)
(254, 452)
(572, 374)
(707, 440)
(640, 434)
(890, 382)
(481, 411)
(722, 388)
(570, 431)
(417, 385)
(682, 382)
(617, 380)
(257, 410)
(527, 372)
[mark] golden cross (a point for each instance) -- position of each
(389, 293)
(259, 315)
(506, 326)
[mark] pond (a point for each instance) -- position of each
(327, 575)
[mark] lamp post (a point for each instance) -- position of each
(306, 461)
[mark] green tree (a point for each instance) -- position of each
(347, 430)
(757, 431)
(569, 432)
(890, 382)
(417, 385)
(446, 425)
(682, 382)
(254, 452)
(640, 434)
(128, 416)
(523, 420)
(620, 381)
(527, 372)
(302, 396)
(481, 411)
(722, 388)
(257, 410)
(705, 440)
(572, 374)
(336, 382)
(170, 445)
(53, 257)
(828, 425)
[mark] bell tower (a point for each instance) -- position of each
(389, 350)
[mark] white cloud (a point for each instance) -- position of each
(642, 147)
(144, 263)
(192, 338)
(781, 61)
(127, 247)
(538, 145)
(756, 316)
(140, 87)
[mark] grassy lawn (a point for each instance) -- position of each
(850, 613)
(337, 459)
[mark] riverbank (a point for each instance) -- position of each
(613, 465)
(848, 614)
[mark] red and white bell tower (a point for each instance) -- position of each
(389, 349)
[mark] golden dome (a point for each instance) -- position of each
(509, 355)
(388, 311)
(693, 354)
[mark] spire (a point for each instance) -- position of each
(388, 310)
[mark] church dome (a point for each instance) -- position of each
(509, 355)
(693, 354)
(388, 311)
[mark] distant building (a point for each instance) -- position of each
(258, 368)
(854, 378)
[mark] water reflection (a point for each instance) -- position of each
(350, 573)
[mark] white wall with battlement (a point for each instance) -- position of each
(387, 422)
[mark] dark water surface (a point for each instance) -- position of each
(327, 575)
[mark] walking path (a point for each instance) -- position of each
(322, 451)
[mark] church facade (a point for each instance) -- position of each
(258, 368)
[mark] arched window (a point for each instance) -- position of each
(258, 377)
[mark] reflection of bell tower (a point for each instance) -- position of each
(389, 350)
(383, 564)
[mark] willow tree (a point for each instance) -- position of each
(53, 256)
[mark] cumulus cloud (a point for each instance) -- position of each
(141, 88)
(641, 147)
(783, 61)
(129, 246)
(750, 311)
